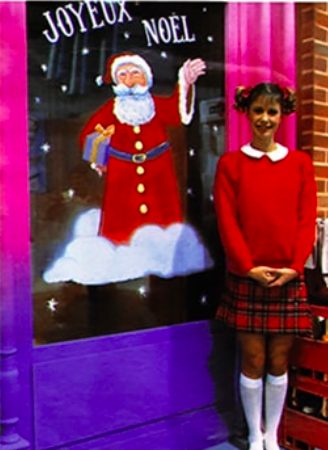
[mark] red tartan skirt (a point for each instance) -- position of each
(247, 306)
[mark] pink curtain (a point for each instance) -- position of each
(260, 46)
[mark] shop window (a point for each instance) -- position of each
(98, 268)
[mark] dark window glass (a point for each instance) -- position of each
(69, 44)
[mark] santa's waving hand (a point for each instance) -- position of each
(192, 69)
(189, 73)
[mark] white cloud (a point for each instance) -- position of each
(91, 259)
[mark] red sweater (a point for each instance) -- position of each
(266, 210)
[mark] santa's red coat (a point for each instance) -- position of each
(138, 194)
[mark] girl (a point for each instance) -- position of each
(265, 199)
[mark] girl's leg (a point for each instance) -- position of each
(251, 385)
(278, 350)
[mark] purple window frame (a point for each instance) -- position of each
(17, 354)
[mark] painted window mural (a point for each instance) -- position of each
(125, 129)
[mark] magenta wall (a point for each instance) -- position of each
(260, 46)
(15, 306)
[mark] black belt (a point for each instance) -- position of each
(139, 158)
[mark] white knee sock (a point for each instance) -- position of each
(275, 394)
(251, 397)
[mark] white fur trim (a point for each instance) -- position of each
(132, 59)
(186, 116)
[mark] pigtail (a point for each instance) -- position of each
(288, 100)
(242, 98)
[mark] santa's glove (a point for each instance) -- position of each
(192, 69)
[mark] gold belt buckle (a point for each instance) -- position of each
(138, 158)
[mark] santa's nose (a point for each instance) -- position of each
(129, 80)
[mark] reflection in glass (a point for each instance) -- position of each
(66, 68)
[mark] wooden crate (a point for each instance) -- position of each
(301, 428)
(309, 364)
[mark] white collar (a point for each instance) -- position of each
(275, 155)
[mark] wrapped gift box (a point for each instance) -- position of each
(96, 148)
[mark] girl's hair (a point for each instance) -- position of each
(245, 96)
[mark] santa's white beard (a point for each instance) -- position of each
(133, 107)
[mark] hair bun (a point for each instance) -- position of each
(241, 98)
(288, 100)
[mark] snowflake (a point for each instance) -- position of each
(99, 80)
(142, 291)
(85, 51)
(203, 300)
(52, 304)
(45, 147)
(69, 194)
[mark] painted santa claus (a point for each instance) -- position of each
(141, 185)
(139, 230)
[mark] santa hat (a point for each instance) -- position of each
(115, 61)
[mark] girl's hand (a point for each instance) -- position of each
(283, 276)
(263, 274)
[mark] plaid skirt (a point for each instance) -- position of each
(247, 306)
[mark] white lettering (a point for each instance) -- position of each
(164, 30)
(85, 15)
(175, 28)
(172, 29)
(186, 30)
(123, 11)
(151, 31)
(110, 19)
(64, 23)
(93, 11)
(78, 15)
(52, 38)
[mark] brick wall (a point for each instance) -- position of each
(312, 68)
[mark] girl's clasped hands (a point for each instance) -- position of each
(272, 277)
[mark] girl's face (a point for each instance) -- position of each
(264, 115)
